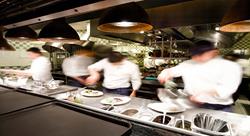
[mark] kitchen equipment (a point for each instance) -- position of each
(166, 107)
(162, 120)
(207, 124)
(54, 119)
(14, 100)
(115, 100)
(179, 124)
(146, 116)
(130, 112)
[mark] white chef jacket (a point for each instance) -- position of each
(217, 74)
(119, 76)
(41, 69)
(77, 65)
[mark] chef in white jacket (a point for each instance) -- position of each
(209, 79)
(40, 69)
(118, 73)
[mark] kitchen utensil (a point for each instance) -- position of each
(182, 121)
(164, 117)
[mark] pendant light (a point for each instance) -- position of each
(21, 33)
(4, 45)
(237, 19)
(58, 31)
(71, 48)
(53, 47)
(128, 18)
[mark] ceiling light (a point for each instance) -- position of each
(71, 48)
(124, 24)
(21, 33)
(238, 18)
(142, 32)
(127, 18)
(217, 28)
(4, 45)
(58, 31)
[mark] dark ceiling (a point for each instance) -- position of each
(197, 16)
(12, 11)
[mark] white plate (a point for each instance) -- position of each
(91, 93)
(165, 107)
(115, 100)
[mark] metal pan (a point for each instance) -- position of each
(12, 101)
(61, 119)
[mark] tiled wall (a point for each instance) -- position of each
(19, 59)
(243, 45)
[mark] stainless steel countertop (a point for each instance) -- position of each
(240, 123)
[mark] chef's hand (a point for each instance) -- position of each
(164, 76)
(92, 79)
(195, 99)
(133, 94)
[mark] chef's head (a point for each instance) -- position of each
(115, 58)
(203, 51)
(34, 52)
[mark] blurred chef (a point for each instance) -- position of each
(76, 67)
(118, 73)
(209, 79)
(40, 69)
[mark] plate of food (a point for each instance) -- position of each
(91, 93)
(166, 108)
(115, 100)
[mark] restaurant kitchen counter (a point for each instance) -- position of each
(145, 115)
(93, 103)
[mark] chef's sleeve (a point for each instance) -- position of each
(98, 66)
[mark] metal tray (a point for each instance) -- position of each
(12, 101)
(61, 119)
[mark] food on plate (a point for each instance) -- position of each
(114, 100)
(74, 99)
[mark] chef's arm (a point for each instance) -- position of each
(135, 80)
(94, 70)
(168, 74)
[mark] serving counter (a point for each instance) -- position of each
(143, 119)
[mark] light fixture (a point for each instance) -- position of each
(59, 31)
(53, 47)
(142, 32)
(217, 28)
(71, 48)
(238, 18)
(4, 45)
(127, 18)
(21, 33)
